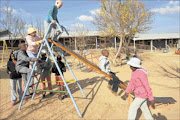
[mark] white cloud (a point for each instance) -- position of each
(167, 9)
(174, 2)
(85, 18)
(78, 25)
(17, 11)
(9, 9)
(95, 12)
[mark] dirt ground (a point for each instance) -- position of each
(164, 79)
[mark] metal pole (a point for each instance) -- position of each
(41, 75)
(63, 77)
(166, 43)
(151, 45)
(115, 46)
(96, 43)
(27, 85)
(72, 72)
(75, 44)
(35, 63)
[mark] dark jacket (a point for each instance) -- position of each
(61, 66)
(11, 68)
(22, 60)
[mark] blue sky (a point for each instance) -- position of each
(81, 12)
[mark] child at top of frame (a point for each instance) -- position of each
(59, 81)
(52, 18)
(140, 86)
(46, 66)
(22, 65)
(105, 67)
(15, 78)
(33, 42)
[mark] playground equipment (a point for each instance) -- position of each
(51, 53)
(61, 49)
(5, 52)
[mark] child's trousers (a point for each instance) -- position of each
(48, 78)
(142, 104)
(13, 83)
(115, 83)
(25, 72)
(53, 33)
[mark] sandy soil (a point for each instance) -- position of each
(100, 103)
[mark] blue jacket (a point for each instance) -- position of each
(52, 15)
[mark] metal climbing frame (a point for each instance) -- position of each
(61, 28)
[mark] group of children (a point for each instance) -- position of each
(21, 67)
(19, 64)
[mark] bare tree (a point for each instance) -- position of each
(81, 33)
(13, 23)
(7, 20)
(39, 27)
(122, 19)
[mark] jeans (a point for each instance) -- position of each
(115, 82)
(142, 104)
(13, 83)
(25, 72)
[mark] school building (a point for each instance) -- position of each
(140, 41)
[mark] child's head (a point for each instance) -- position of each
(43, 54)
(59, 58)
(105, 53)
(22, 46)
(134, 63)
(11, 56)
(59, 3)
(32, 32)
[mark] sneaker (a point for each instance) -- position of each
(12, 104)
(109, 86)
(60, 98)
(114, 93)
(50, 93)
(65, 96)
(43, 96)
(25, 100)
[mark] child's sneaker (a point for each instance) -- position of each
(12, 104)
(43, 96)
(60, 98)
(114, 93)
(109, 86)
(25, 100)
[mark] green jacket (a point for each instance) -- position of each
(47, 68)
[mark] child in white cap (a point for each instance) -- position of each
(140, 86)
(52, 18)
(46, 66)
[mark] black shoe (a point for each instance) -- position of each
(65, 96)
(50, 93)
(43, 96)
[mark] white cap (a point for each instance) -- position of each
(43, 51)
(135, 62)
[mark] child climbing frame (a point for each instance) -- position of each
(51, 53)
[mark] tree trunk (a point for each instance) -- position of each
(119, 49)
